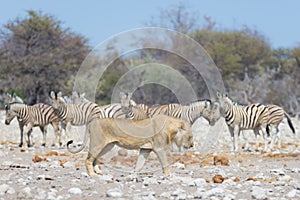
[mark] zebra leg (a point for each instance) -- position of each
(143, 155)
(234, 132)
(28, 131)
(57, 132)
(257, 138)
(279, 141)
(265, 134)
(247, 148)
(21, 129)
(44, 132)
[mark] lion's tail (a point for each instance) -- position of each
(81, 147)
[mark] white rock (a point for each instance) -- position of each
(149, 181)
(258, 193)
(69, 164)
(200, 182)
(292, 193)
(74, 190)
(178, 192)
(200, 192)
(114, 193)
(5, 177)
(85, 174)
(7, 163)
(279, 183)
(178, 165)
(41, 194)
(187, 181)
(285, 178)
(25, 193)
(165, 195)
(4, 188)
(295, 170)
(219, 192)
(106, 177)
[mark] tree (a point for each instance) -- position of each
(38, 55)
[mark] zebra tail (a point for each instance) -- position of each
(290, 122)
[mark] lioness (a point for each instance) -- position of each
(153, 134)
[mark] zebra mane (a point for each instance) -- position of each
(198, 101)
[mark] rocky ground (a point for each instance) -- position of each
(209, 171)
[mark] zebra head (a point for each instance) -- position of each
(224, 102)
(126, 102)
(78, 98)
(213, 112)
(10, 114)
(58, 101)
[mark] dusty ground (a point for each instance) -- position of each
(53, 173)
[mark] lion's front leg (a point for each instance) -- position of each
(162, 157)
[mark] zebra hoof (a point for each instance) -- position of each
(29, 145)
(43, 144)
(21, 144)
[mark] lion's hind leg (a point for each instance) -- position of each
(143, 155)
(106, 149)
(91, 160)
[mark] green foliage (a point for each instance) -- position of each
(38, 55)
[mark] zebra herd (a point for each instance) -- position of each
(78, 111)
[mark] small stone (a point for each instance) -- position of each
(107, 178)
(221, 160)
(68, 164)
(41, 194)
(75, 191)
(25, 193)
(187, 181)
(179, 193)
(4, 188)
(200, 182)
(166, 195)
(292, 193)
(219, 192)
(285, 178)
(114, 193)
(218, 178)
(258, 193)
(122, 152)
(7, 163)
(178, 165)
(149, 181)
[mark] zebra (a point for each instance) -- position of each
(190, 113)
(238, 117)
(31, 116)
(276, 115)
(80, 114)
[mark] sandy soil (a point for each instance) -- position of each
(54, 173)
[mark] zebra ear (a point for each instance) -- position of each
(122, 94)
(8, 95)
(219, 95)
(52, 95)
(59, 94)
